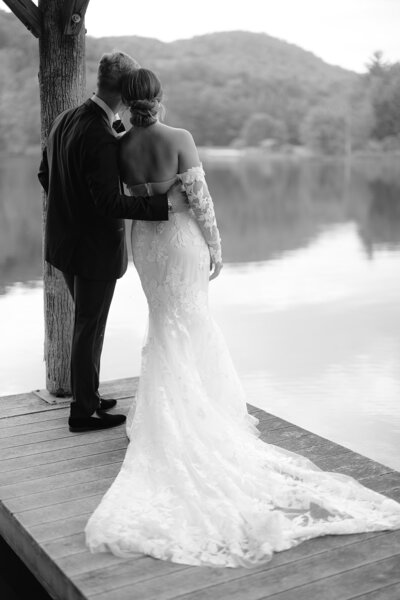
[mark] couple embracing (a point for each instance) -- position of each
(81, 171)
(197, 485)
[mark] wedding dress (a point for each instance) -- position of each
(197, 485)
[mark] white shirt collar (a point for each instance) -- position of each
(105, 107)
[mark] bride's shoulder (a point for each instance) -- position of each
(175, 133)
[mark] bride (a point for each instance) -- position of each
(197, 486)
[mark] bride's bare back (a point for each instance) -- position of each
(156, 153)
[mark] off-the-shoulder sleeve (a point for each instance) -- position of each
(200, 201)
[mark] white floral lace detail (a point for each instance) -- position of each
(197, 485)
(201, 203)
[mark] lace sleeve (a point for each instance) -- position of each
(201, 203)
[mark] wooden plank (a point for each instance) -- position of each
(15, 397)
(36, 439)
(66, 546)
(105, 578)
(23, 431)
(326, 454)
(352, 464)
(117, 392)
(73, 508)
(41, 421)
(345, 585)
(11, 407)
(380, 483)
(61, 528)
(291, 439)
(388, 592)
(264, 418)
(61, 480)
(27, 418)
(85, 561)
(53, 493)
(291, 432)
(25, 404)
(260, 413)
(271, 423)
(30, 473)
(16, 430)
(240, 584)
(394, 494)
(127, 573)
(51, 498)
(49, 575)
(119, 388)
(306, 444)
(69, 441)
(100, 582)
(64, 454)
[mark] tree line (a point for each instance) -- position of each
(365, 117)
(229, 89)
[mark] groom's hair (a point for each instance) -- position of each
(113, 68)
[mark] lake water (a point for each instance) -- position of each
(309, 299)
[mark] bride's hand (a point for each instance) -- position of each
(177, 197)
(215, 269)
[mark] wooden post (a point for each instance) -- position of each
(28, 13)
(62, 86)
(59, 26)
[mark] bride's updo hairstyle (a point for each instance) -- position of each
(142, 93)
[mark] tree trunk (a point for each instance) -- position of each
(62, 86)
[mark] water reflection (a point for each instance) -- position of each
(315, 334)
(310, 304)
(380, 226)
(265, 208)
(268, 208)
(20, 221)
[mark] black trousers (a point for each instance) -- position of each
(92, 300)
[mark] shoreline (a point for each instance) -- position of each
(226, 153)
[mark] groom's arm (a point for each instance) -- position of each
(101, 170)
(43, 173)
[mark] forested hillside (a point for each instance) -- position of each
(227, 88)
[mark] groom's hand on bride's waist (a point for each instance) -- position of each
(177, 198)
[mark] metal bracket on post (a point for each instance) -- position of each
(73, 16)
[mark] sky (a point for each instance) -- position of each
(341, 32)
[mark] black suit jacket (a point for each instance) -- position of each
(85, 230)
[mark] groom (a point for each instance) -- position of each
(85, 232)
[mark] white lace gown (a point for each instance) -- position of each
(197, 485)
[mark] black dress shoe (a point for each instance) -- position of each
(106, 404)
(94, 424)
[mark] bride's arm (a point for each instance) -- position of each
(192, 176)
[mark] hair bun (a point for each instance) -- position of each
(142, 92)
(144, 106)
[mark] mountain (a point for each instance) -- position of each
(213, 83)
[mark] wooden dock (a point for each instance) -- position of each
(51, 480)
